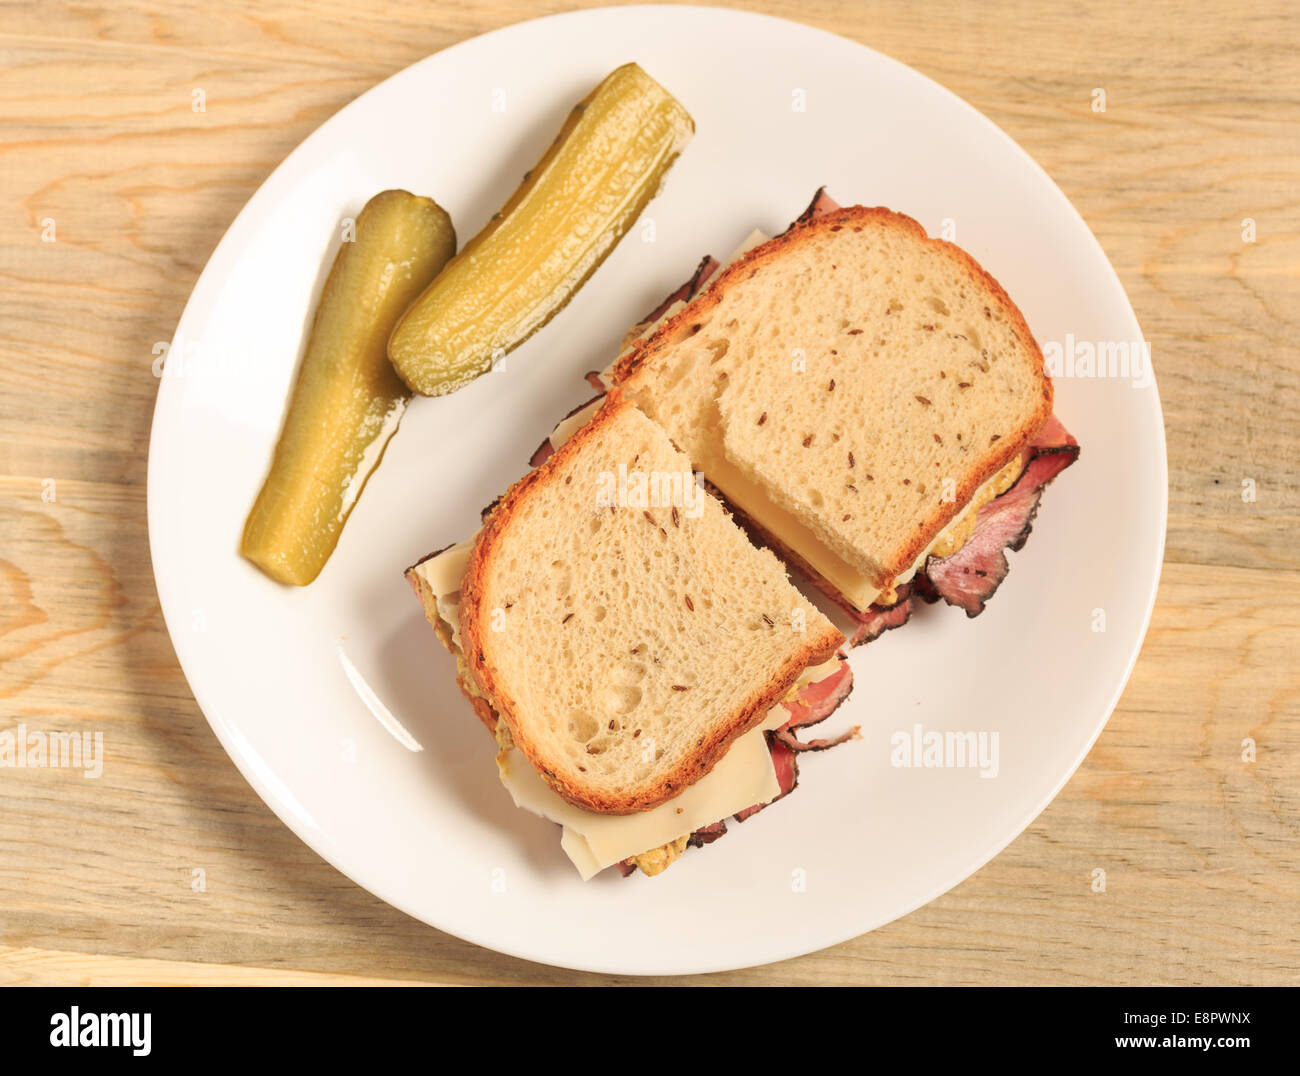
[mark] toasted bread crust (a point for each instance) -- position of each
(631, 369)
(429, 600)
(478, 655)
(482, 708)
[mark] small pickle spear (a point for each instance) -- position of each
(347, 401)
(609, 159)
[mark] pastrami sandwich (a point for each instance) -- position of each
(869, 400)
(642, 665)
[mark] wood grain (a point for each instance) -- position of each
(1201, 849)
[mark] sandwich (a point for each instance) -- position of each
(869, 402)
(851, 400)
(644, 668)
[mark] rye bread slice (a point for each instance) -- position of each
(870, 379)
(628, 646)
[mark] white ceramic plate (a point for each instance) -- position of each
(337, 703)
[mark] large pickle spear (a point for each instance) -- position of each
(347, 401)
(609, 159)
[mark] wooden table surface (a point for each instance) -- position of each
(1201, 848)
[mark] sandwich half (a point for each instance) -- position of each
(643, 666)
(868, 399)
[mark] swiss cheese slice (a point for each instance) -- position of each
(743, 777)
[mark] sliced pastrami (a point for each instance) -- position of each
(546, 449)
(821, 204)
(786, 763)
(707, 267)
(541, 453)
(972, 575)
(707, 834)
(879, 619)
(790, 740)
(814, 703)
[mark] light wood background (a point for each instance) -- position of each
(1200, 848)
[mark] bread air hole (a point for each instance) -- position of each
(620, 698)
(563, 578)
(628, 673)
(582, 726)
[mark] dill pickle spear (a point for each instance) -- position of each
(347, 401)
(609, 159)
